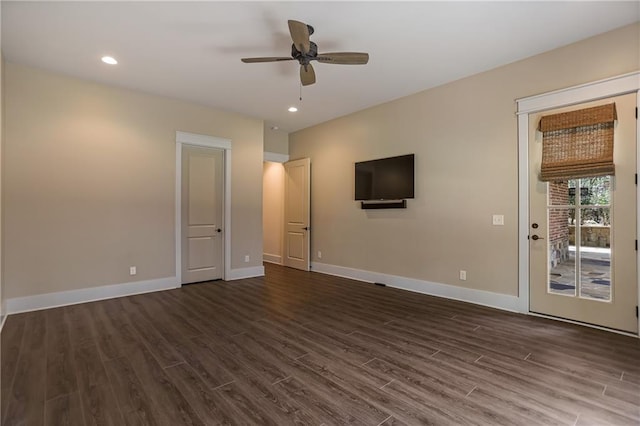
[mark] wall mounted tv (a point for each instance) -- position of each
(385, 179)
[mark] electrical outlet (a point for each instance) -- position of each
(498, 219)
(319, 254)
(247, 259)
(132, 270)
(463, 275)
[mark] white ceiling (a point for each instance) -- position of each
(192, 50)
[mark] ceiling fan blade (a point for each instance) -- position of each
(269, 59)
(307, 75)
(300, 35)
(345, 58)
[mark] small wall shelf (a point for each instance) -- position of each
(399, 204)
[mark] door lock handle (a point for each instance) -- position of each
(534, 237)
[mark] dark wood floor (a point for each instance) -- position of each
(305, 348)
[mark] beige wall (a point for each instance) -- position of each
(2, 292)
(464, 135)
(272, 211)
(89, 182)
(275, 140)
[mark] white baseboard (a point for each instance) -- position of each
(71, 297)
(272, 258)
(240, 273)
(478, 297)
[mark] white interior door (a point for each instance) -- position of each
(582, 234)
(202, 206)
(297, 201)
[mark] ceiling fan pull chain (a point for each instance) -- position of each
(300, 91)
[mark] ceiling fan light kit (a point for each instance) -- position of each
(304, 51)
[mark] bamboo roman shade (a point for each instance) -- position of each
(578, 143)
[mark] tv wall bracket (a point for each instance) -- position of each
(395, 204)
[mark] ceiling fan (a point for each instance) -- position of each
(304, 51)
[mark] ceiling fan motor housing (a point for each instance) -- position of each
(301, 57)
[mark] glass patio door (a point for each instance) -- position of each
(582, 234)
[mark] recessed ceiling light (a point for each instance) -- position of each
(109, 60)
(293, 109)
(274, 127)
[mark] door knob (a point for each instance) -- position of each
(218, 230)
(534, 237)
(534, 225)
(306, 228)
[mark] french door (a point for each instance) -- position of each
(582, 233)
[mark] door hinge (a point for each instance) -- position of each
(636, 245)
(636, 311)
(636, 113)
(636, 178)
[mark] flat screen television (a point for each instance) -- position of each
(385, 179)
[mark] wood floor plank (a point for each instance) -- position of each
(330, 386)
(270, 339)
(574, 365)
(170, 404)
(510, 387)
(392, 421)
(275, 403)
(61, 373)
(10, 345)
(250, 411)
(584, 404)
(98, 402)
(323, 342)
(624, 391)
(330, 412)
(154, 340)
(79, 323)
(135, 404)
(579, 385)
(100, 406)
(89, 367)
(180, 318)
(207, 402)
(297, 347)
(261, 358)
(522, 410)
(207, 365)
(27, 395)
(631, 377)
(64, 410)
(114, 333)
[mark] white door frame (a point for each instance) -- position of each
(614, 86)
(208, 142)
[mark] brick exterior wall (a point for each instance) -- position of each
(558, 223)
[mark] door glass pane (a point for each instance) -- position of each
(572, 184)
(562, 260)
(595, 191)
(580, 237)
(595, 253)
